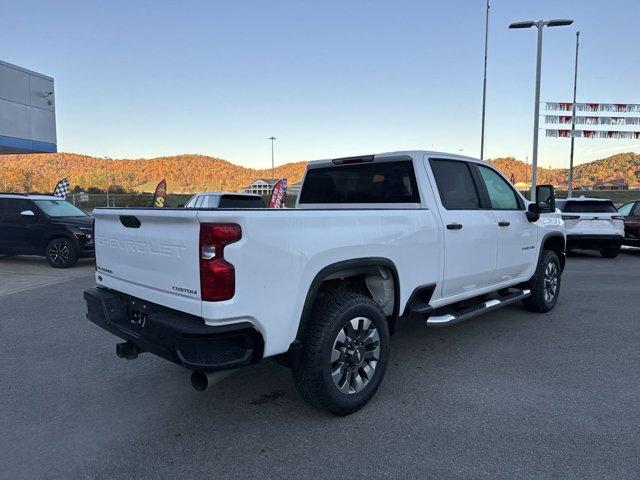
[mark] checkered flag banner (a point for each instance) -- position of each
(62, 188)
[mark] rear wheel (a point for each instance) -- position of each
(610, 252)
(345, 353)
(545, 284)
(61, 253)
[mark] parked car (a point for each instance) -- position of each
(631, 215)
(373, 240)
(592, 224)
(225, 200)
(45, 225)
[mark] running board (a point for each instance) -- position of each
(484, 307)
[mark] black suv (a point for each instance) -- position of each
(45, 225)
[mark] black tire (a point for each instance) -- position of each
(541, 300)
(610, 252)
(331, 320)
(61, 253)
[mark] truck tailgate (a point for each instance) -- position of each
(150, 254)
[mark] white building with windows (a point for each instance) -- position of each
(261, 186)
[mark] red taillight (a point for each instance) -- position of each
(217, 276)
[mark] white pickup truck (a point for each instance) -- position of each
(373, 240)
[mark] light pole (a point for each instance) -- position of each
(273, 175)
(540, 24)
(484, 81)
(573, 118)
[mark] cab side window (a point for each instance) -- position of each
(501, 194)
(626, 209)
(192, 203)
(455, 184)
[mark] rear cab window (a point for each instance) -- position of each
(455, 183)
(366, 182)
(241, 201)
(587, 206)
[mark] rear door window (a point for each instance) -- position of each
(589, 207)
(455, 185)
(11, 207)
(368, 182)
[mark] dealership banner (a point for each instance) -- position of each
(279, 194)
(594, 107)
(590, 120)
(565, 133)
(160, 194)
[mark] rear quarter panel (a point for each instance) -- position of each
(282, 251)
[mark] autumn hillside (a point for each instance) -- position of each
(190, 173)
(621, 166)
(184, 173)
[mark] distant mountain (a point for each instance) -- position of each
(192, 173)
(621, 166)
(184, 173)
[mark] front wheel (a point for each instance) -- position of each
(545, 284)
(61, 253)
(345, 351)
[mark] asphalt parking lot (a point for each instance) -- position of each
(511, 394)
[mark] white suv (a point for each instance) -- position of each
(592, 224)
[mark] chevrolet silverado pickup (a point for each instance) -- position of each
(373, 240)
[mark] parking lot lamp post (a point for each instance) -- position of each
(573, 118)
(540, 24)
(273, 175)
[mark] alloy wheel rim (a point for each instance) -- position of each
(355, 355)
(550, 282)
(59, 253)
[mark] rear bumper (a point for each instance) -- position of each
(175, 336)
(594, 242)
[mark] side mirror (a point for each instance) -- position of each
(27, 213)
(533, 212)
(546, 198)
(180, 205)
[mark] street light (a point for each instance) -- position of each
(536, 119)
(273, 175)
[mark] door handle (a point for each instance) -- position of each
(454, 226)
(504, 224)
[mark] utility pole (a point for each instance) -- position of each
(273, 175)
(484, 81)
(573, 117)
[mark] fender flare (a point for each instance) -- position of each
(550, 235)
(347, 265)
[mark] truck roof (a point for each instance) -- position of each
(400, 153)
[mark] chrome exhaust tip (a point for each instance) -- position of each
(201, 381)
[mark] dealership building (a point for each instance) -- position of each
(27, 111)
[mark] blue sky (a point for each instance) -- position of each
(328, 78)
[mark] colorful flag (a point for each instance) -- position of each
(279, 194)
(62, 188)
(160, 194)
